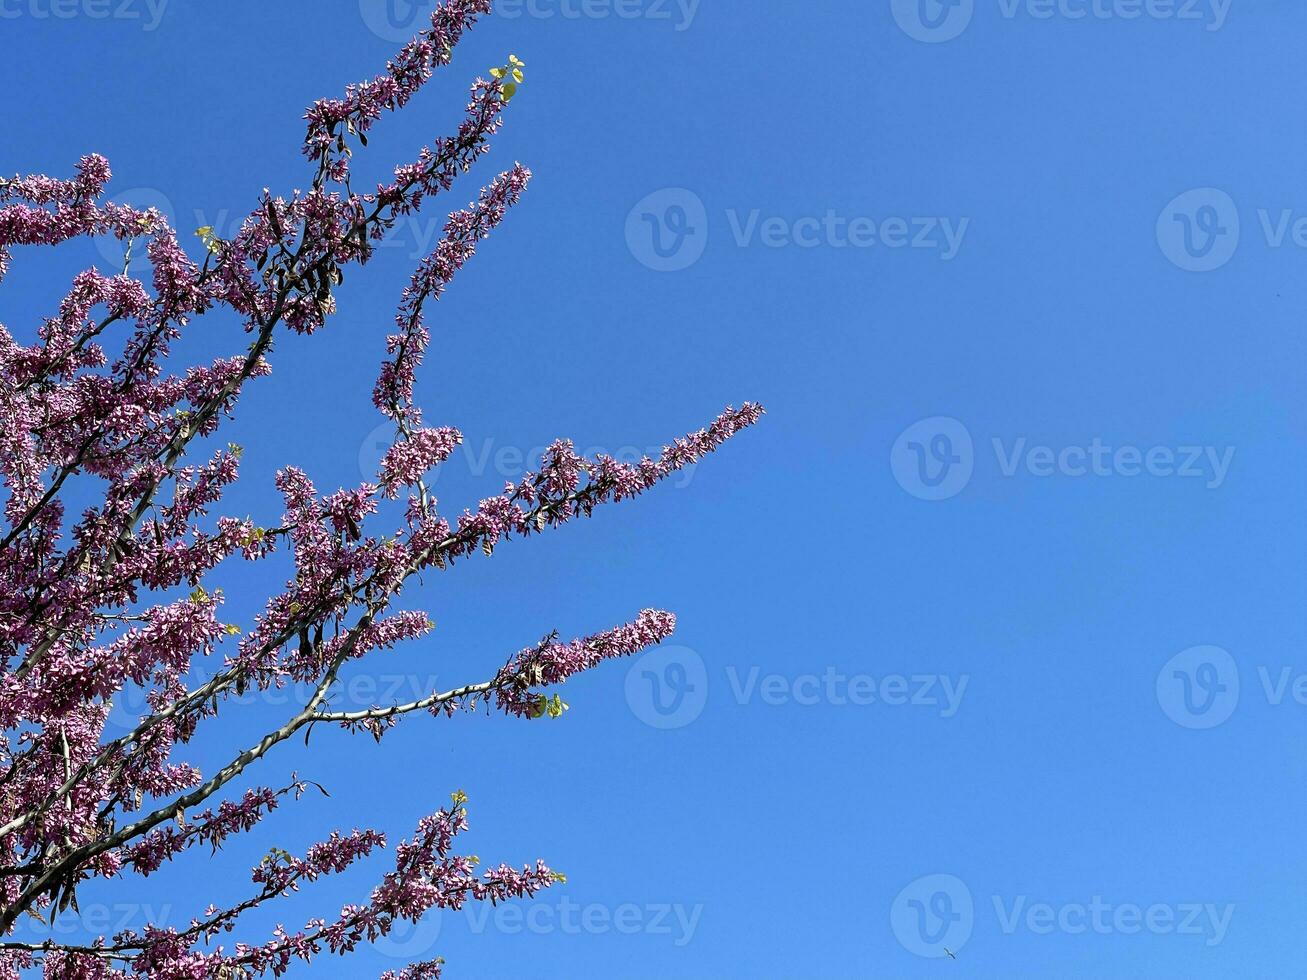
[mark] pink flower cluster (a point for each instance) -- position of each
(394, 389)
(552, 663)
(102, 601)
(330, 119)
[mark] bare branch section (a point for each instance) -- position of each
(88, 606)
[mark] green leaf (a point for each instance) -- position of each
(498, 72)
(510, 90)
(210, 240)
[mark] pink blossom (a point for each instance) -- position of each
(100, 600)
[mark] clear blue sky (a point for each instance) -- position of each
(1066, 300)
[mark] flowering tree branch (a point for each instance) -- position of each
(95, 603)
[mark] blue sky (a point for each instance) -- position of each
(990, 634)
